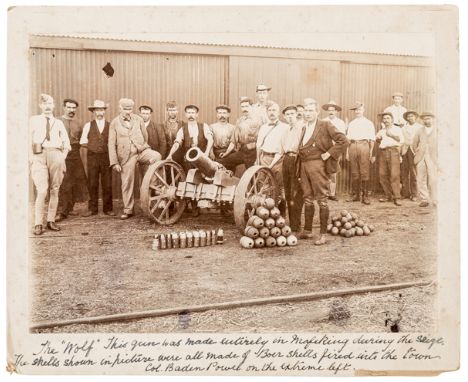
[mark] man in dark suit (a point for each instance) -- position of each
(317, 158)
(156, 135)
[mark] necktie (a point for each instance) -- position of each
(48, 129)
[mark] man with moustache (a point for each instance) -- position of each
(300, 113)
(74, 184)
(320, 147)
(292, 188)
(95, 140)
(332, 109)
(270, 149)
(222, 131)
(171, 126)
(49, 146)
(390, 139)
(127, 146)
(409, 186)
(259, 109)
(242, 148)
(156, 134)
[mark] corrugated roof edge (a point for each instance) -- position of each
(221, 44)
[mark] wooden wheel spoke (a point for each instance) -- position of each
(162, 180)
(165, 210)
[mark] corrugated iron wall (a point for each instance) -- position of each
(147, 78)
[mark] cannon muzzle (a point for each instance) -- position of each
(198, 158)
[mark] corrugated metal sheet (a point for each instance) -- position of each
(148, 78)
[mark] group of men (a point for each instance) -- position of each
(303, 152)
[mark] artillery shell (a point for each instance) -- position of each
(208, 237)
(213, 237)
(202, 239)
(169, 241)
(175, 240)
(162, 239)
(189, 239)
(220, 236)
(156, 244)
(183, 240)
(196, 239)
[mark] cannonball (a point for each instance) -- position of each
(262, 212)
(280, 222)
(275, 212)
(275, 232)
(246, 242)
(291, 240)
(270, 241)
(259, 242)
(270, 223)
(269, 203)
(286, 231)
(281, 241)
(264, 232)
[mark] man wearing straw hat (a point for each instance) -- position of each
(95, 140)
(49, 146)
(409, 186)
(397, 109)
(332, 109)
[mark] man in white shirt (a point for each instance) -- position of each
(361, 136)
(222, 131)
(397, 109)
(94, 139)
(332, 109)
(49, 146)
(409, 187)
(390, 138)
(259, 109)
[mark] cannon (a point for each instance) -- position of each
(166, 188)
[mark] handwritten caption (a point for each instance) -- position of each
(251, 353)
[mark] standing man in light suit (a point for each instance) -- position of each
(49, 146)
(127, 146)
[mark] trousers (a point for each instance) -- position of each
(427, 181)
(409, 186)
(389, 172)
(98, 167)
(292, 192)
(47, 168)
(243, 156)
(359, 158)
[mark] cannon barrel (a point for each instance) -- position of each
(198, 158)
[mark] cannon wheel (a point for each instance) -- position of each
(158, 192)
(256, 184)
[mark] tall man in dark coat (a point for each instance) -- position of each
(318, 158)
(156, 134)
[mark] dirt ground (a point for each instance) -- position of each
(102, 265)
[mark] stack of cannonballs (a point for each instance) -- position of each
(348, 224)
(267, 228)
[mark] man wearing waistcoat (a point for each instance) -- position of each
(317, 158)
(171, 126)
(128, 144)
(95, 138)
(74, 182)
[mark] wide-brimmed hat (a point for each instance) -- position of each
(384, 113)
(262, 87)
(332, 104)
(70, 100)
(405, 114)
(426, 114)
(98, 104)
(357, 105)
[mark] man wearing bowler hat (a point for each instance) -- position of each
(156, 134)
(222, 131)
(74, 184)
(128, 144)
(259, 109)
(390, 139)
(332, 109)
(425, 158)
(95, 140)
(409, 186)
(49, 146)
(397, 109)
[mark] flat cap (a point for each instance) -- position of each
(223, 107)
(289, 107)
(126, 102)
(357, 105)
(192, 107)
(262, 87)
(71, 100)
(146, 107)
(245, 99)
(381, 115)
(426, 114)
(397, 94)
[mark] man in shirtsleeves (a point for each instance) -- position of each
(397, 109)
(222, 131)
(74, 184)
(259, 109)
(320, 147)
(49, 146)
(242, 148)
(95, 139)
(127, 146)
(390, 138)
(292, 188)
(270, 149)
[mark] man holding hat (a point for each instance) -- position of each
(242, 148)
(95, 140)
(397, 110)
(74, 184)
(156, 134)
(259, 109)
(425, 158)
(390, 138)
(292, 187)
(320, 146)
(222, 131)
(127, 146)
(409, 186)
(361, 136)
(332, 109)
(49, 146)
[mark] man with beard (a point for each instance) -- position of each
(320, 147)
(74, 181)
(95, 140)
(48, 150)
(222, 131)
(156, 134)
(409, 186)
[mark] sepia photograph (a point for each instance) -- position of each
(221, 182)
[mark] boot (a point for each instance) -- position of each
(309, 212)
(356, 192)
(365, 192)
